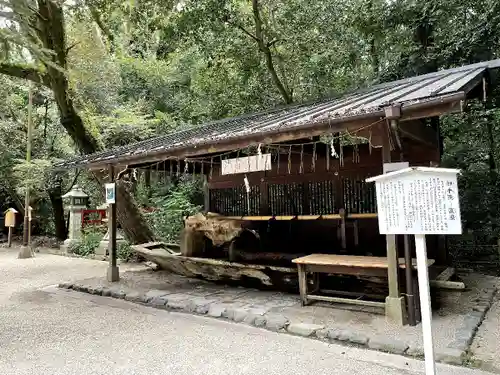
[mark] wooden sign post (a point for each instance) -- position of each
(420, 201)
(10, 222)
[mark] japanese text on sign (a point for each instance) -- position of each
(247, 164)
(419, 204)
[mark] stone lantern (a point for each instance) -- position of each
(78, 201)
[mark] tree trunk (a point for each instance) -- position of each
(130, 217)
(47, 23)
(50, 30)
(58, 212)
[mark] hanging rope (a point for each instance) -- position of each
(327, 157)
(247, 188)
(341, 154)
(278, 160)
(290, 160)
(313, 165)
(332, 149)
(301, 167)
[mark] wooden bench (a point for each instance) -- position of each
(342, 265)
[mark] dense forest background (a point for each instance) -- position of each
(109, 72)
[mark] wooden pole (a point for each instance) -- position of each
(25, 251)
(410, 296)
(394, 302)
(113, 271)
(9, 238)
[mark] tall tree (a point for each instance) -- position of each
(39, 27)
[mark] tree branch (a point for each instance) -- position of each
(238, 26)
(265, 49)
(75, 179)
(23, 72)
(102, 26)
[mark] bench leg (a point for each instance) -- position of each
(302, 284)
(315, 282)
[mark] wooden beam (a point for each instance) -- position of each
(446, 274)
(431, 111)
(392, 255)
(417, 131)
(345, 300)
(454, 285)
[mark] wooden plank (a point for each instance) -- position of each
(347, 270)
(280, 217)
(352, 294)
(446, 274)
(455, 285)
(363, 216)
(345, 301)
(352, 261)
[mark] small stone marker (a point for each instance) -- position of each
(419, 201)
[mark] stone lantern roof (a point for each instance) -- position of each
(75, 192)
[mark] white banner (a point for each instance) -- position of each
(247, 164)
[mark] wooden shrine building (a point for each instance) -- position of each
(295, 175)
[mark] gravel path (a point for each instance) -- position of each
(46, 330)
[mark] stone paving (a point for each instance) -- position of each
(485, 348)
(454, 323)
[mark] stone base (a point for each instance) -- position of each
(102, 249)
(395, 310)
(113, 274)
(67, 244)
(25, 252)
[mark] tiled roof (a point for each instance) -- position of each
(429, 87)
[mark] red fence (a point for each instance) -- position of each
(96, 217)
(93, 217)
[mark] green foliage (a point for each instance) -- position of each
(172, 203)
(125, 252)
(91, 237)
(469, 148)
(140, 68)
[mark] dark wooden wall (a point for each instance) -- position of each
(319, 189)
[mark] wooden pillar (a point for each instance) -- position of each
(206, 194)
(113, 273)
(395, 307)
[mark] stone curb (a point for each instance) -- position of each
(456, 353)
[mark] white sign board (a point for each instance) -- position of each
(247, 164)
(110, 193)
(418, 202)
